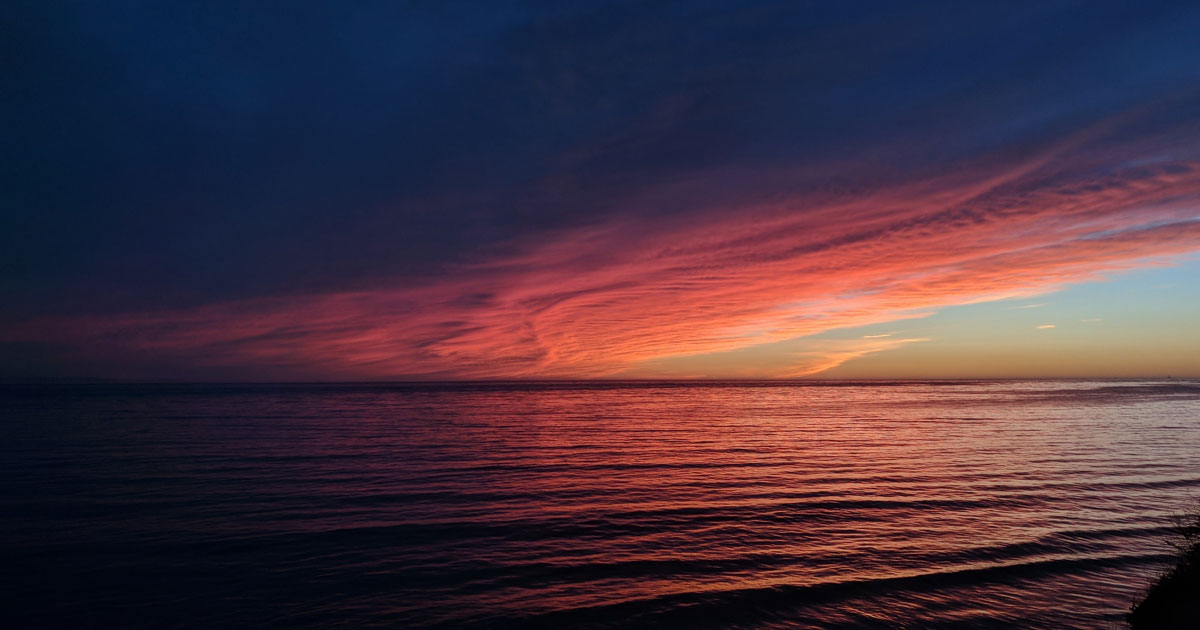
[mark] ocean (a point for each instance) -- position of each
(945, 504)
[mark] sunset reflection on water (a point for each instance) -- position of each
(755, 505)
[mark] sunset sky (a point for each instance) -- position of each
(443, 190)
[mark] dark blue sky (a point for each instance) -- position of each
(179, 154)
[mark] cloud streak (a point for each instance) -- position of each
(621, 295)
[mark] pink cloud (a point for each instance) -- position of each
(623, 296)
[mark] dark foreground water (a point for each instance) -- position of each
(735, 505)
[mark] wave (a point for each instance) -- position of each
(737, 607)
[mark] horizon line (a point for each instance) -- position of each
(502, 381)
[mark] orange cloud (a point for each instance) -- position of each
(624, 296)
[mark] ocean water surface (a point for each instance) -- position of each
(986, 504)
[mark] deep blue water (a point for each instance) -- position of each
(591, 505)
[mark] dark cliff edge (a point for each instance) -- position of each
(1173, 602)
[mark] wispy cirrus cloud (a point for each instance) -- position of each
(631, 292)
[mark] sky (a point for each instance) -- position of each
(506, 190)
